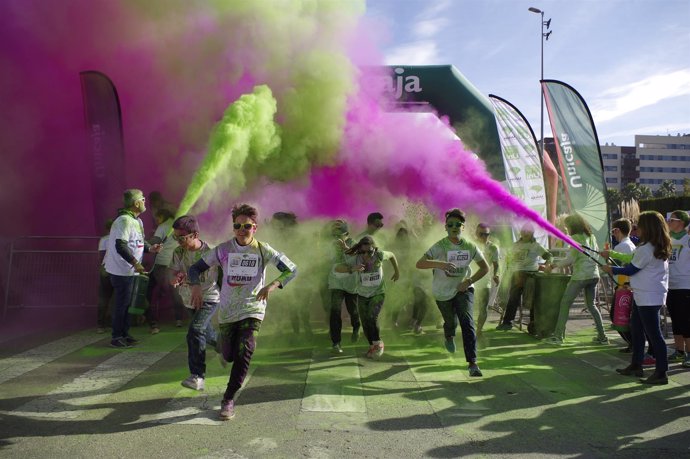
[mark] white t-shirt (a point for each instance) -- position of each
(130, 230)
(182, 260)
(244, 274)
(679, 264)
(650, 283)
(445, 284)
(103, 244)
(625, 246)
(164, 234)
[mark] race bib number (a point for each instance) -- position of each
(371, 279)
(242, 267)
(675, 253)
(459, 258)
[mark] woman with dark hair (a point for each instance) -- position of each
(648, 271)
(367, 260)
(585, 278)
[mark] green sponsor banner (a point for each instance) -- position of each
(579, 155)
(521, 159)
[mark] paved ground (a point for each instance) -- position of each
(67, 394)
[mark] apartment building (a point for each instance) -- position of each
(653, 159)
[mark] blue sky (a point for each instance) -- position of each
(629, 59)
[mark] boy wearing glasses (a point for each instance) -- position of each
(452, 285)
(200, 332)
(243, 295)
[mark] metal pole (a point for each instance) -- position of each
(541, 89)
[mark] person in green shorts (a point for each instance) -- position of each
(450, 259)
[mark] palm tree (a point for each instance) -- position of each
(666, 189)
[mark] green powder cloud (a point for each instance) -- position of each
(244, 139)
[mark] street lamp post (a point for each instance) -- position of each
(544, 36)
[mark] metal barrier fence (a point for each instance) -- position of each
(49, 272)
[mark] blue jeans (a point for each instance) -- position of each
(459, 309)
(573, 289)
(645, 320)
(123, 297)
(199, 333)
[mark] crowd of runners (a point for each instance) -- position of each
(379, 274)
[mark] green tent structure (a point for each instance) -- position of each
(450, 94)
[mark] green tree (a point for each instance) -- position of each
(666, 189)
(645, 192)
(613, 198)
(686, 187)
(631, 191)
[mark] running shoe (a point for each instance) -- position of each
(475, 372)
(686, 362)
(336, 349)
(677, 356)
(504, 327)
(227, 410)
(450, 345)
(119, 343)
(194, 382)
(553, 341)
(598, 340)
(131, 340)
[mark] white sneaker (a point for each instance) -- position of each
(376, 350)
(194, 382)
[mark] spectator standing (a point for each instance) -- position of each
(126, 247)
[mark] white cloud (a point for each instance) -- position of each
(422, 52)
(427, 28)
(627, 98)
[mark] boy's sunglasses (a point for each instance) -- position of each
(246, 226)
(454, 225)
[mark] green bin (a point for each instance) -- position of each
(542, 297)
(138, 305)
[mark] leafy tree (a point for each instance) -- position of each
(667, 189)
(631, 191)
(645, 192)
(686, 187)
(613, 198)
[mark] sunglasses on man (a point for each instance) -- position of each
(246, 226)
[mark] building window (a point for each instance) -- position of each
(611, 180)
(610, 168)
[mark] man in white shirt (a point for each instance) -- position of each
(126, 247)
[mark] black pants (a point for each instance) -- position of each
(336, 321)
